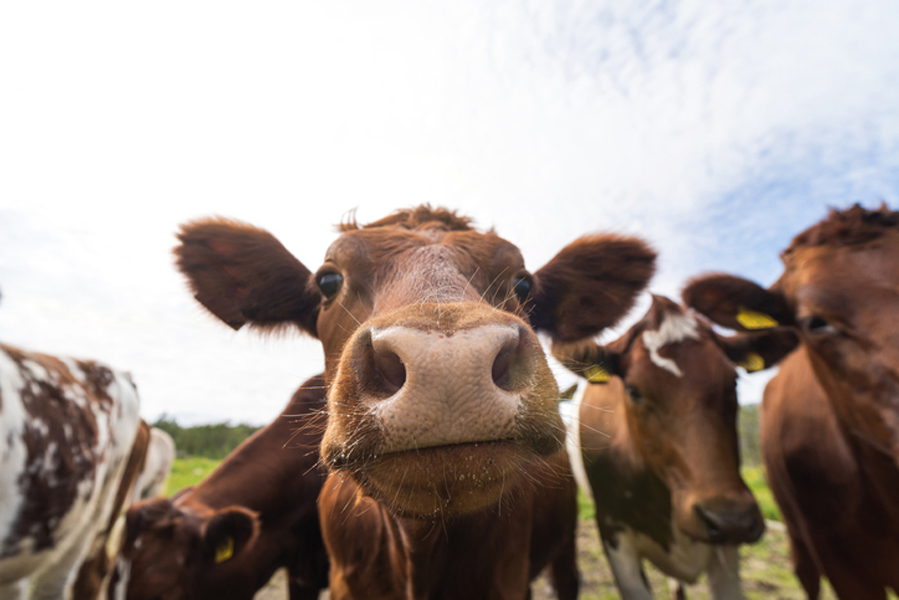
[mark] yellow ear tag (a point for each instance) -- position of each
(596, 374)
(225, 550)
(755, 320)
(752, 362)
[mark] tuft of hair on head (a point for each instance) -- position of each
(852, 226)
(423, 215)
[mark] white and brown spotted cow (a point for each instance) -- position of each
(66, 430)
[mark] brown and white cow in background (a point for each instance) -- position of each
(156, 468)
(442, 410)
(148, 467)
(66, 430)
(96, 566)
(225, 537)
(830, 419)
(655, 444)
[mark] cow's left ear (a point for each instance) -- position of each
(588, 286)
(228, 532)
(587, 359)
(738, 303)
(242, 274)
(758, 351)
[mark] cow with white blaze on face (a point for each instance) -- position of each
(444, 440)
(655, 444)
(66, 430)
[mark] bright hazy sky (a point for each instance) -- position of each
(717, 131)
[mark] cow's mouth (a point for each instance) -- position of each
(446, 480)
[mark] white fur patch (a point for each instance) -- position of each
(675, 328)
(573, 443)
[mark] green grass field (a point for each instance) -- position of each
(189, 471)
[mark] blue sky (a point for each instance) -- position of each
(715, 131)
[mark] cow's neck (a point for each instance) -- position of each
(277, 458)
(624, 485)
(424, 558)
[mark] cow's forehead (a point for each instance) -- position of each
(816, 273)
(380, 244)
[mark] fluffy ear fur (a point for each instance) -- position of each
(229, 532)
(737, 303)
(591, 284)
(243, 274)
(586, 358)
(757, 351)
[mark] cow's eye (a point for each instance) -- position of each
(329, 283)
(634, 394)
(816, 325)
(522, 288)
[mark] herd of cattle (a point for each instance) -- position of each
(430, 460)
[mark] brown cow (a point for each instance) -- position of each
(66, 428)
(658, 439)
(831, 445)
(442, 410)
(224, 538)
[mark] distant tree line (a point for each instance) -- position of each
(210, 441)
(218, 440)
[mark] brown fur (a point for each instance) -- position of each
(837, 524)
(427, 270)
(849, 227)
(415, 218)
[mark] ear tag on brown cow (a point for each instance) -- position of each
(596, 374)
(225, 550)
(751, 319)
(752, 362)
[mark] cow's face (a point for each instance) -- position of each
(169, 553)
(439, 392)
(840, 293)
(675, 389)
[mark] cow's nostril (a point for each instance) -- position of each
(502, 365)
(391, 369)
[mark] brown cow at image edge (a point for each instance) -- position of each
(830, 418)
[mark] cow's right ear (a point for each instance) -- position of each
(758, 351)
(586, 358)
(590, 285)
(242, 274)
(228, 532)
(737, 303)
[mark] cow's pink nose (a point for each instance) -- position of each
(430, 387)
(394, 353)
(389, 368)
